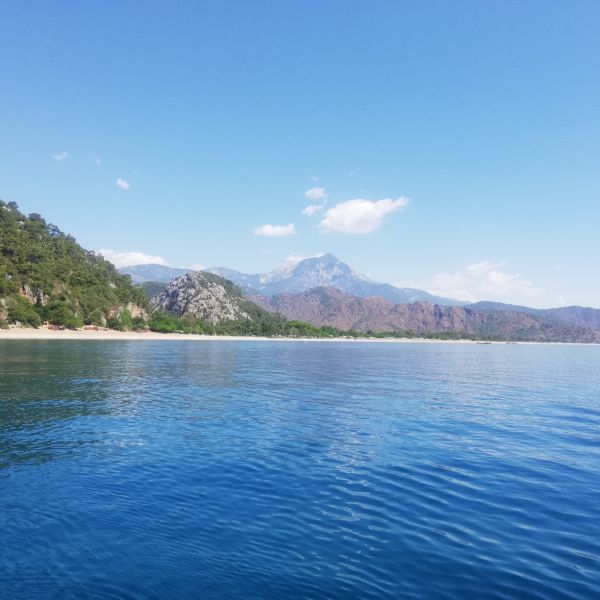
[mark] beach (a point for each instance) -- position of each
(45, 333)
(100, 334)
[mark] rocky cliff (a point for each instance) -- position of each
(204, 296)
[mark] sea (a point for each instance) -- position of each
(301, 470)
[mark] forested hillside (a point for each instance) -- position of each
(45, 275)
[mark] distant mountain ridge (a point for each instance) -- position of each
(329, 306)
(291, 291)
(153, 272)
(325, 270)
(578, 316)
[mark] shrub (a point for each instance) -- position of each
(59, 313)
(22, 311)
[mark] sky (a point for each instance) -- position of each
(451, 146)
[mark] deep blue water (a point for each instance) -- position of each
(298, 470)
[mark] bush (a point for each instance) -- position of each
(59, 313)
(96, 317)
(125, 319)
(138, 323)
(164, 323)
(20, 310)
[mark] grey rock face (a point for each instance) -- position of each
(203, 296)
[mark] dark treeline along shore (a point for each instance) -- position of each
(46, 277)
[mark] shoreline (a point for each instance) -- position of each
(44, 333)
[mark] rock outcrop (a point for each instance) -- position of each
(205, 296)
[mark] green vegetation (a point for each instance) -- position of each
(152, 288)
(45, 276)
(276, 326)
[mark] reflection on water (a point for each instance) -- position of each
(295, 470)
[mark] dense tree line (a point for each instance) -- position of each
(45, 275)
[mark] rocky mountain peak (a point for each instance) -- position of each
(202, 295)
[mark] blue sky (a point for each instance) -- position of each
(457, 144)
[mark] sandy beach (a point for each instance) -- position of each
(44, 333)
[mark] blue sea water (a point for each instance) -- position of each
(278, 470)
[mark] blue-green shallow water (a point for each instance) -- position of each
(298, 470)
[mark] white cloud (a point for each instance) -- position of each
(275, 230)
(124, 185)
(97, 160)
(294, 259)
(316, 193)
(197, 267)
(128, 259)
(360, 216)
(312, 209)
(61, 156)
(484, 280)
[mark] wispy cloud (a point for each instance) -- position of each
(97, 160)
(316, 193)
(294, 259)
(128, 259)
(312, 209)
(484, 280)
(124, 185)
(359, 215)
(60, 156)
(275, 230)
(197, 267)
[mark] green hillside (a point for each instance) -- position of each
(45, 275)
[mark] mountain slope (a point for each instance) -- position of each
(152, 288)
(152, 272)
(325, 270)
(46, 275)
(207, 297)
(577, 316)
(329, 306)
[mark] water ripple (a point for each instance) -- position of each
(267, 470)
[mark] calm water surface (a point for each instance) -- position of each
(298, 470)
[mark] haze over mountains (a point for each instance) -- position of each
(323, 270)
(324, 291)
(151, 272)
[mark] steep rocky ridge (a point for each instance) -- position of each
(329, 306)
(204, 296)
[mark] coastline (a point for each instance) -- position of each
(44, 333)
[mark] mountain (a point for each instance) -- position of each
(45, 275)
(325, 270)
(152, 288)
(577, 316)
(151, 272)
(207, 297)
(326, 306)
